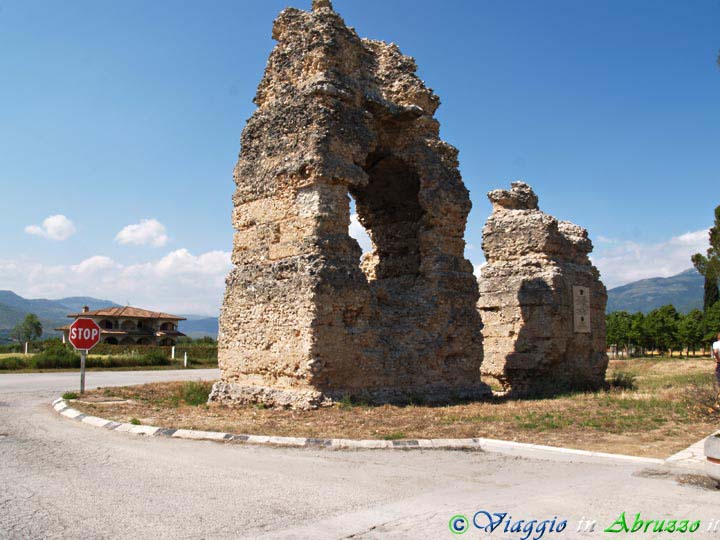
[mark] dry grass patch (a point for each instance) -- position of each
(657, 407)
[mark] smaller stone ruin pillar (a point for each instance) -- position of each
(541, 300)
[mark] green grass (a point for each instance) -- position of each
(163, 395)
(70, 395)
(195, 393)
(675, 381)
(394, 436)
(11, 355)
(12, 363)
(543, 421)
(135, 422)
(350, 402)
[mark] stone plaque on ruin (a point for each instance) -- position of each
(304, 321)
(541, 299)
(581, 309)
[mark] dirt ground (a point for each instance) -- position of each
(652, 408)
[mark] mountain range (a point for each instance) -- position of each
(684, 291)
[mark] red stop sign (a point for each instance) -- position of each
(84, 334)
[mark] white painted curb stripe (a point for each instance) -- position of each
(71, 413)
(94, 421)
(199, 435)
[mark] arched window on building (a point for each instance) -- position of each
(106, 324)
(128, 326)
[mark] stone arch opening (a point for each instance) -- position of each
(358, 232)
(388, 207)
(111, 341)
(106, 324)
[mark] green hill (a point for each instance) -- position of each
(684, 291)
(10, 316)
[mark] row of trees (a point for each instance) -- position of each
(663, 329)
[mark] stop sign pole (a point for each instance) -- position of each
(84, 335)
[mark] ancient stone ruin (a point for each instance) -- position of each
(303, 321)
(541, 300)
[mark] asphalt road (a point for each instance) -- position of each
(64, 479)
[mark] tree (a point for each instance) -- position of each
(28, 330)
(691, 330)
(662, 327)
(618, 325)
(711, 326)
(638, 335)
(709, 265)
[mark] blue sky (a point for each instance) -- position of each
(112, 113)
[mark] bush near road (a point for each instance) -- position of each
(49, 360)
(56, 355)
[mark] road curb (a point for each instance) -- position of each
(62, 407)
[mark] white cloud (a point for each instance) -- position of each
(56, 227)
(94, 264)
(605, 240)
(623, 261)
(179, 282)
(358, 232)
(147, 232)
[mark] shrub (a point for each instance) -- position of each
(195, 393)
(156, 358)
(202, 351)
(56, 356)
(70, 395)
(135, 421)
(623, 380)
(349, 401)
(12, 363)
(704, 398)
(151, 359)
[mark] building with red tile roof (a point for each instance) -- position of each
(131, 326)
